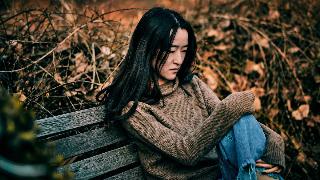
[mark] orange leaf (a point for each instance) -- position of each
(258, 91)
(260, 40)
(207, 54)
(105, 50)
(273, 14)
(301, 112)
(58, 78)
(304, 110)
(310, 123)
(222, 47)
(240, 83)
(297, 115)
(213, 32)
(224, 23)
(257, 104)
(212, 78)
(252, 66)
(316, 119)
(20, 96)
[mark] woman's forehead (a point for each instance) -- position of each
(181, 38)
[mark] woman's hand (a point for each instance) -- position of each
(269, 168)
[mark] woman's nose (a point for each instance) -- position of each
(178, 58)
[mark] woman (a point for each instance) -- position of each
(174, 118)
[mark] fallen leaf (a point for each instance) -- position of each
(257, 104)
(213, 32)
(258, 91)
(212, 78)
(240, 83)
(273, 15)
(58, 78)
(81, 63)
(316, 118)
(70, 93)
(20, 96)
(307, 98)
(18, 48)
(297, 115)
(301, 112)
(222, 47)
(310, 123)
(252, 66)
(304, 109)
(207, 54)
(224, 23)
(260, 40)
(105, 50)
(81, 68)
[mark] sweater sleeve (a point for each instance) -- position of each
(189, 148)
(274, 152)
(205, 94)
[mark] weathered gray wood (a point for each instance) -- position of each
(132, 174)
(91, 140)
(69, 121)
(88, 141)
(104, 163)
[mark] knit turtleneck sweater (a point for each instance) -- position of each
(177, 136)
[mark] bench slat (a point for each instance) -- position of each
(132, 174)
(104, 163)
(88, 141)
(69, 121)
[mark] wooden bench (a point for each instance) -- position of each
(90, 149)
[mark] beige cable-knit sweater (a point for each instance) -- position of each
(176, 138)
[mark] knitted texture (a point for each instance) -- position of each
(175, 135)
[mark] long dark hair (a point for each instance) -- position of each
(137, 79)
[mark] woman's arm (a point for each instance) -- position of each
(274, 153)
(187, 149)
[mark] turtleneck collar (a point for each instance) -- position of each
(169, 87)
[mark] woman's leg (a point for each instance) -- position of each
(240, 148)
(244, 143)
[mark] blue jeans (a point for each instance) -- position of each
(240, 148)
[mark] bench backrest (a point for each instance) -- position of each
(90, 149)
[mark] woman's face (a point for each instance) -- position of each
(175, 58)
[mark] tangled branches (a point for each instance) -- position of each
(57, 60)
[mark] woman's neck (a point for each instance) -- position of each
(162, 81)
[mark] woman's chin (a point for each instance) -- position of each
(171, 78)
(163, 80)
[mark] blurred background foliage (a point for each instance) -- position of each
(55, 55)
(21, 155)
